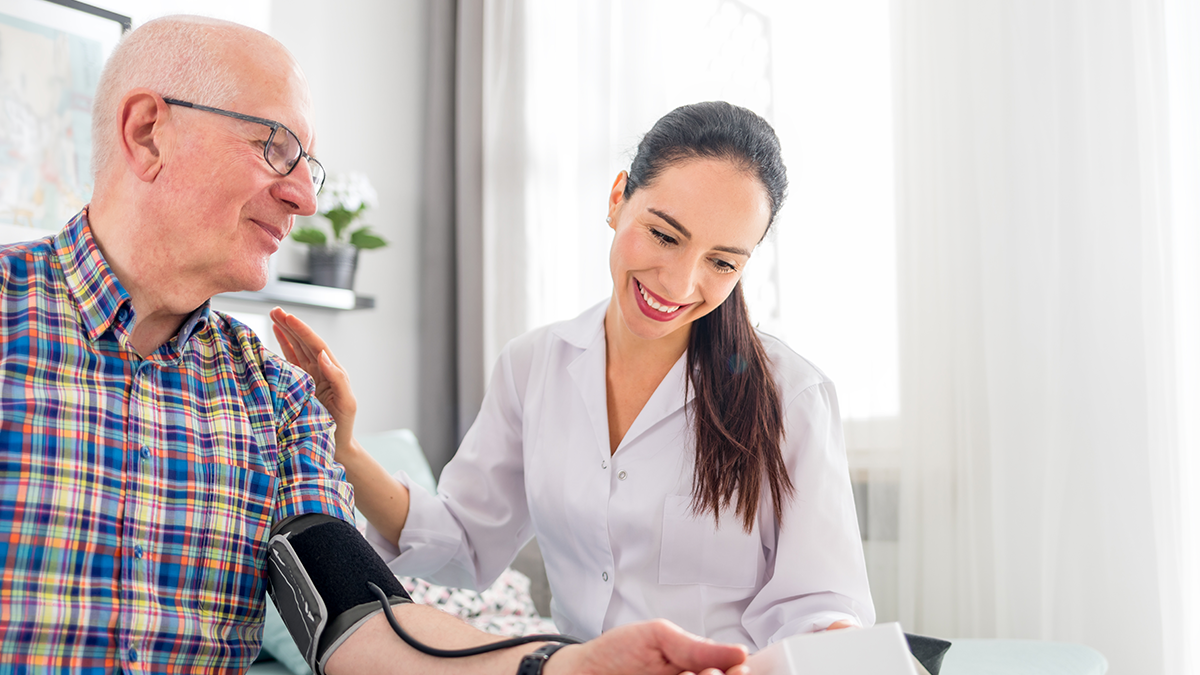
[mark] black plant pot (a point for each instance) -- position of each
(333, 265)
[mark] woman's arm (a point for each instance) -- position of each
(381, 498)
(819, 580)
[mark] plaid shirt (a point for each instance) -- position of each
(137, 495)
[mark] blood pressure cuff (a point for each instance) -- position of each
(318, 568)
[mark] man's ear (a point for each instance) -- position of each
(144, 120)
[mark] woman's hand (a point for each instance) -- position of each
(381, 498)
(303, 347)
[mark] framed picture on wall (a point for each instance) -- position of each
(51, 55)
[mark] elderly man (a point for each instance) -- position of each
(155, 460)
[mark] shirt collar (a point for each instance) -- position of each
(100, 296)
(197, 320)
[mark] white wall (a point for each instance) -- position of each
(254, 13)
(365, 64)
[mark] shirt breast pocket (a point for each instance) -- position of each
(696, 551)
(238, 508)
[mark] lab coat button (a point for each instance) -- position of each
(604, 576)
(603, 464)
(621, 475)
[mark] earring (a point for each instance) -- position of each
(608, 219)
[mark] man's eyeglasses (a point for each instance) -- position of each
(282, 150)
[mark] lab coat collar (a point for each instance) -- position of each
(583, 330)
(586, 332)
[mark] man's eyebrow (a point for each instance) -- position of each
(684, 231)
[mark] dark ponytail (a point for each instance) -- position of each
(737, 413)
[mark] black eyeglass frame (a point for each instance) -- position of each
(275, 127)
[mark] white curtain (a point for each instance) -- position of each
(1048, 340)
(1183, 59)
(571, 86)
(569, 89)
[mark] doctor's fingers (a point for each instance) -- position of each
(304, 340)
(334, 389)
(289, 342)
(296, 355)
(285, 345)
(306, 346)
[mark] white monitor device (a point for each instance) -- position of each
(879, 650)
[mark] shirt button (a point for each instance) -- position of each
(604, 576)
(145, 453)
(621, 475)
(138, 551)
(133, 655)
(603, 464)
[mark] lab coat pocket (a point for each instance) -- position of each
(696, 551)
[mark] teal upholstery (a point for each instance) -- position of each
(278, 644)
(270, 668)
(1021, 657)
(396, 450)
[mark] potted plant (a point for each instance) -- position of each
(332, 260)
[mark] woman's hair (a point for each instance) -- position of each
(737, 412)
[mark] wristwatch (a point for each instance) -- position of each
(532, 663)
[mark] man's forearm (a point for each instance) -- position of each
(650, 648)
(375, 648)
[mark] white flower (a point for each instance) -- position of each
(347, 190)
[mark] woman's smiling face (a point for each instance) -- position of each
(682, 242)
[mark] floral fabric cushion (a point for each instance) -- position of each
(505, 608)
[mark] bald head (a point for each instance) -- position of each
(193, 58)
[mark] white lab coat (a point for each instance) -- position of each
(616, 532)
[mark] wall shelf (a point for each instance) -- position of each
(284, 291)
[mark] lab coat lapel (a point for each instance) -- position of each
(586, 332)
(587, 369)
(665, 401)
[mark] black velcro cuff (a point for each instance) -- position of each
(339, 562)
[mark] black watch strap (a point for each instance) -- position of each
(532, 662)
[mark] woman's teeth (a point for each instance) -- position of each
(654, 303)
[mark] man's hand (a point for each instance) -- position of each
(653, 648)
